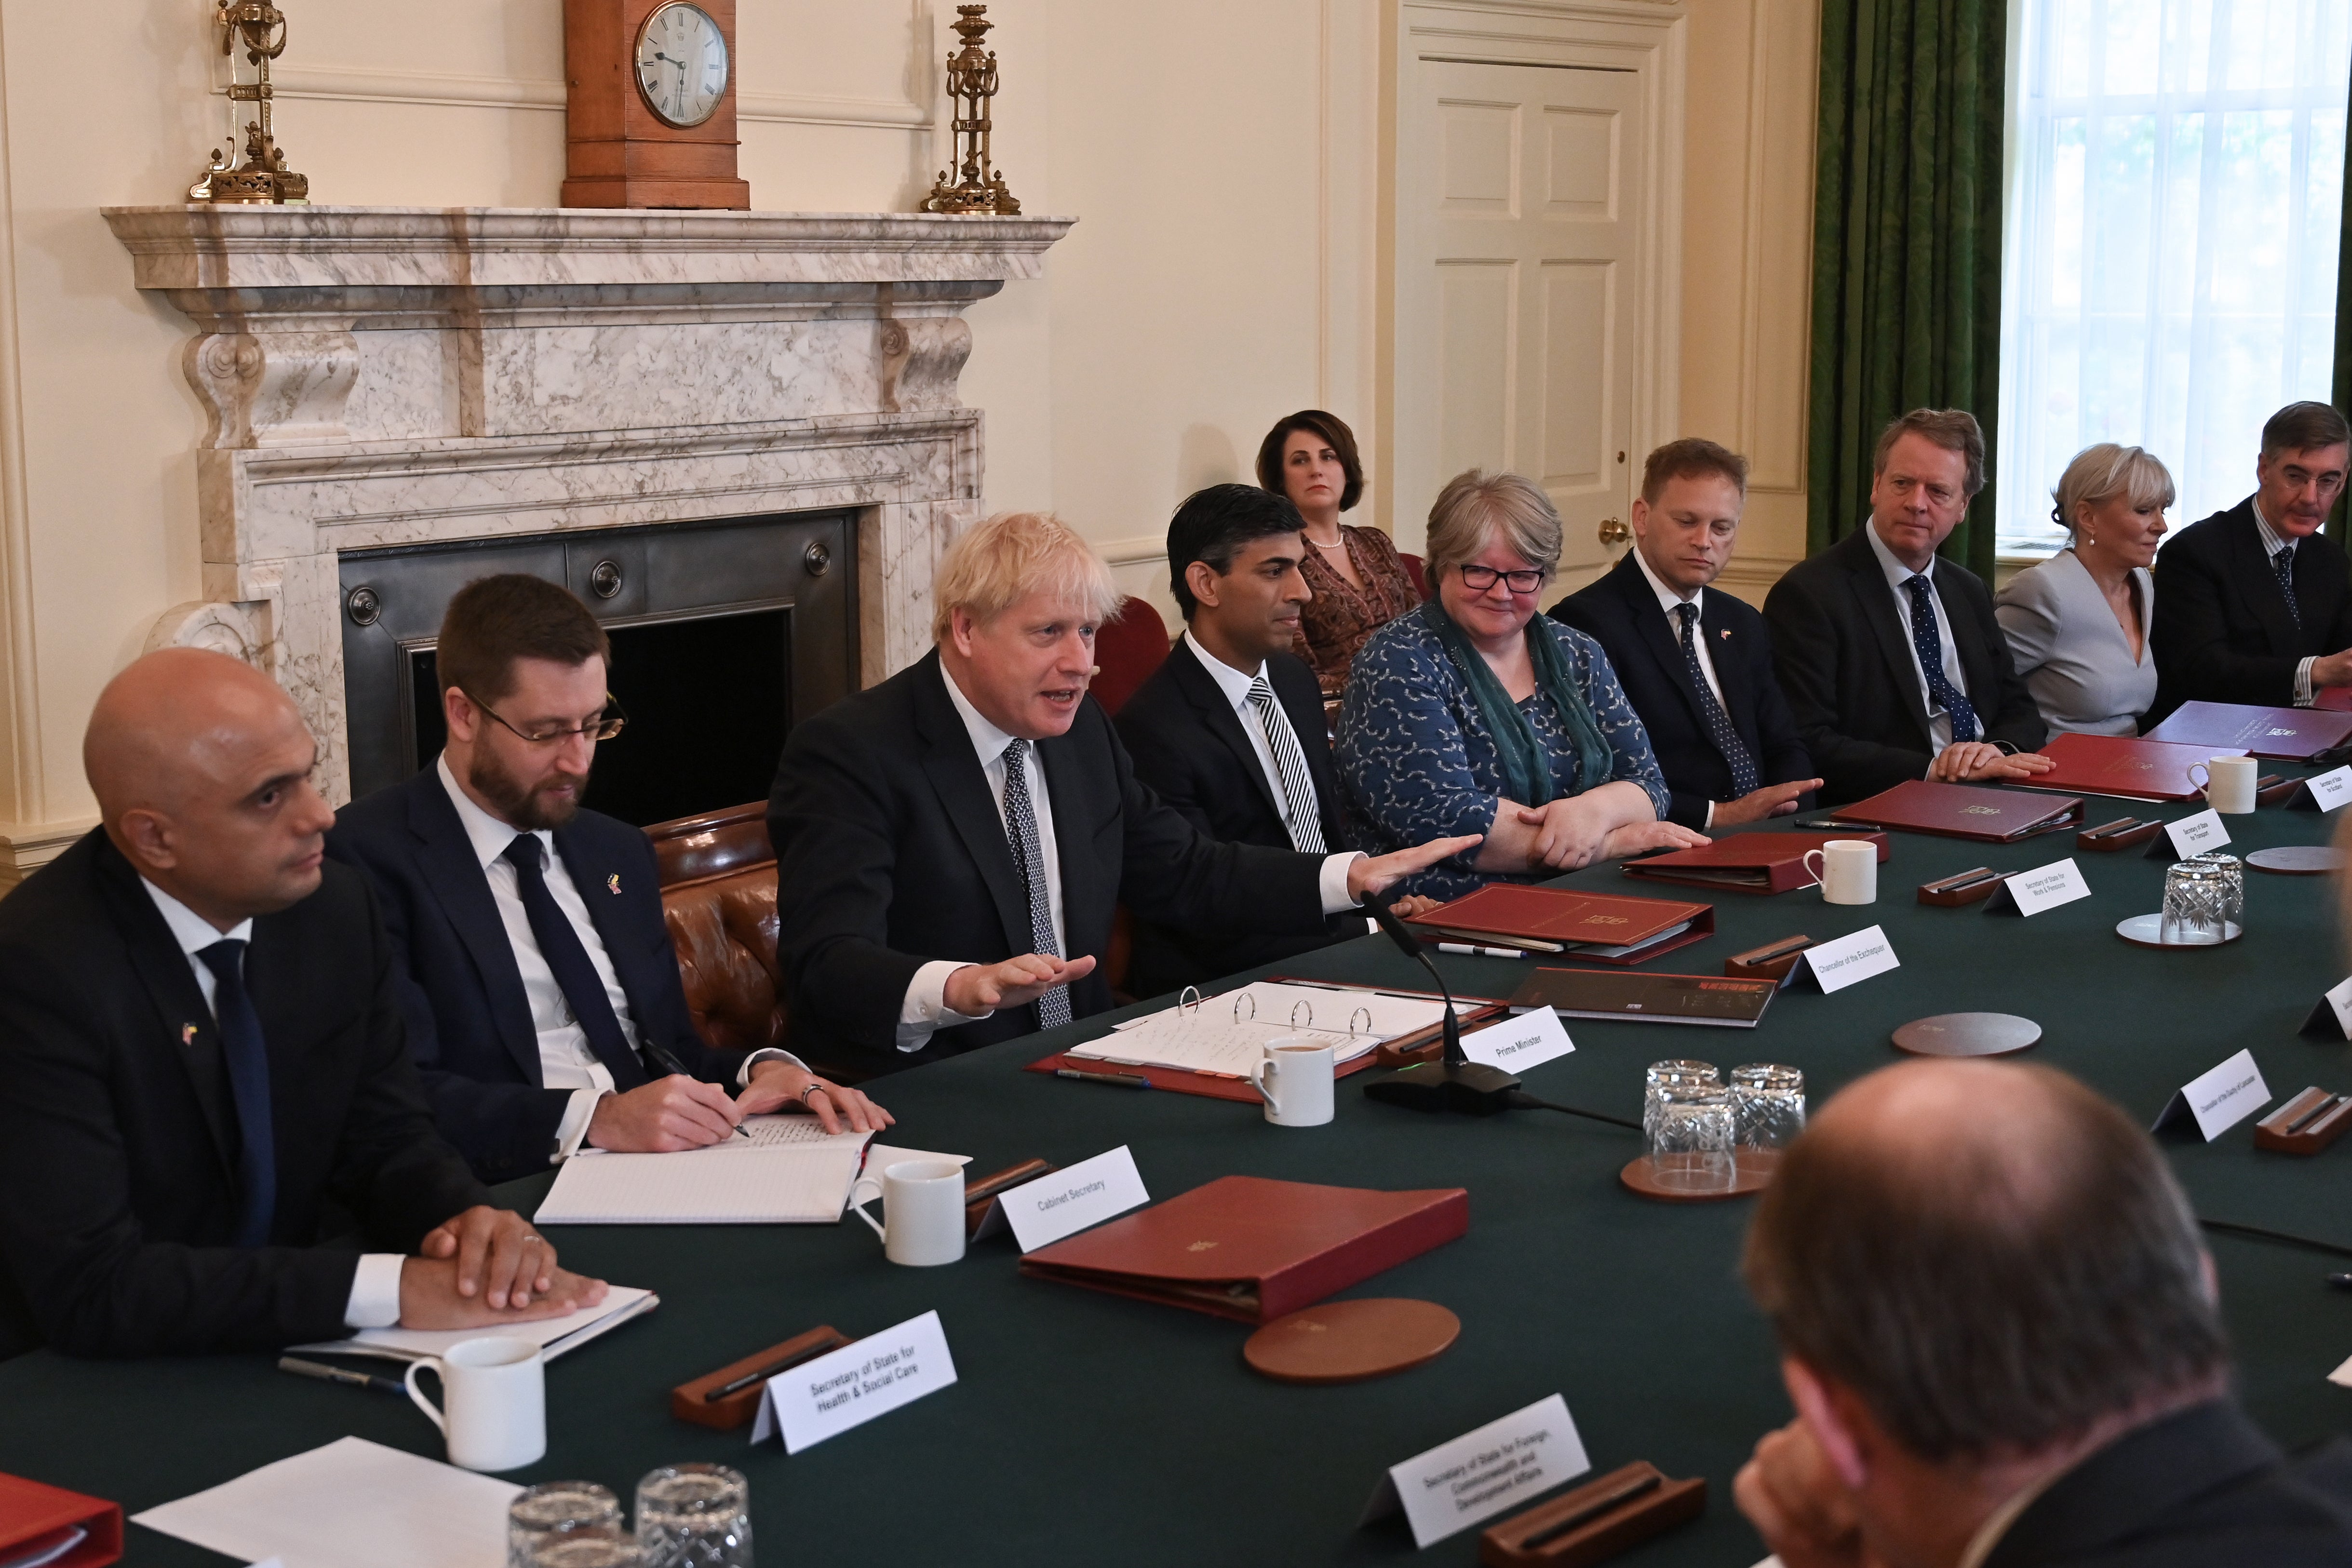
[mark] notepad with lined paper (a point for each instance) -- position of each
(790, 1171)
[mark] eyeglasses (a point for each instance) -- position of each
(1479, 579)
(604, 727)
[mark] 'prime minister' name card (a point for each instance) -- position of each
(1533, 1036)
(850, 1387)
(1839, 962)
(1074, 1199)
(1501, 1465)
(2218, 1100)
(2031, 892)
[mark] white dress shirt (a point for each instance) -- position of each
(1667, 601)
(566, 1059)
(375, 1301)
(925, 1009)
(1939, 723)
(2273, 542)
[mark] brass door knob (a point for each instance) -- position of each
(1614, 532)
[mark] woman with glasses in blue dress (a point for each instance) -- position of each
(1475, 714)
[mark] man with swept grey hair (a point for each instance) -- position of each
(1998, 1326)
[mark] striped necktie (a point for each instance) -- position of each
(1299, 814)
(1021, 834)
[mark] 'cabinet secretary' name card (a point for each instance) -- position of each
(1072, 1198)
(2219, 1100)
(1501, 1465)
(850, 1387)
(1533, 1036)
(2324, 791)
(2195, 835)
(1838, 963)
(2031, 892)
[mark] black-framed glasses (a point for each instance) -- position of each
(1479, 579)
(604, 727)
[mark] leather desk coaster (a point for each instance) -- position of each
(2298, 860)
(686, 1401)
(1595, 1521)
(1968, 1034)
(1750, 1170)
(2305, 1125)
(1348, 1341)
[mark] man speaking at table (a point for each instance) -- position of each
(201, 1063)
(1998, 1324)
(949, 844)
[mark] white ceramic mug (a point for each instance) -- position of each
(496, 1391)
(1848, 873)
(2228, 783)
(1294, 1077)
(923, 1211)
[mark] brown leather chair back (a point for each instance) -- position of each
(718, 899)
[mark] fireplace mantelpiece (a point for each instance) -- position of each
(397, 375)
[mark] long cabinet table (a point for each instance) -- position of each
(1086, 1429)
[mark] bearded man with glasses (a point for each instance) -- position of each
(545, 1006)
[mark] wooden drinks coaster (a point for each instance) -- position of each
(1347, 1341)
(1750, 1170)
(2147, 931)
(1968, 1034)
(2298, 860)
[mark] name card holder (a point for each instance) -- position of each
(1594, 1522)
(2321, 791)
(2123, 834)
(2305, 1125)
(1773, 961)
(1965, 887)
(984, 1214)
(690, 1401)
(2274, 789)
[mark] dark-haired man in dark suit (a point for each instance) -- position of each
(2254, 604)
(545, 1008)
(1696, 666)
(1229, 730)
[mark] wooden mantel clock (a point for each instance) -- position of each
(650, 121)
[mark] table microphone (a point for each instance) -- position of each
(1454, 1082)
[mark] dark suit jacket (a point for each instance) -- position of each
(1189, 748)
(2198, 1490)
(2221, 631)
(119, 1140)
(1848, 670)
(1621, 613)
(469, 1026)
(891, 854)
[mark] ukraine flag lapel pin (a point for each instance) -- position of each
(612, 883)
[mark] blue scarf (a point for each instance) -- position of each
(1526, 767)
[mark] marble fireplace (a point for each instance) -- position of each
(380, 378)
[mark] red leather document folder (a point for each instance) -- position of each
(37, 1519)
(1964, 811)
(2289, 733)
(1747, 863)
(2116, 765)
(1591, 927)
(1253, 1249)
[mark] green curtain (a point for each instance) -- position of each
(2341, 395)
(1907, 243)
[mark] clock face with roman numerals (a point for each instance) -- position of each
(682, 65)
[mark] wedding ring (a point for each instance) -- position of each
(812, 1089)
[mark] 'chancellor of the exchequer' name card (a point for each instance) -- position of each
(850, 1387)
(1501, 1465)
(1838, 963)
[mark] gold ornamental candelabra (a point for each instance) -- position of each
(971, 83)
(263, 177)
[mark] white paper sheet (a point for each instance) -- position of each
(1226, 1035)
(788, 1172)
(1383, 1015)
(351, 1504)
(554, 1335)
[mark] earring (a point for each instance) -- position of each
(2089, 540)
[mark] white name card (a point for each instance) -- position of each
(2332, 1019)
(1836, 964)
(1531, 1037)
(850, 1387)
(1071, 1199)
(2218, 1100)
(2330, 789)
(2031, 892)
(1501, 1465)
(2195, 835)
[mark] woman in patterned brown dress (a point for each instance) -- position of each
(1359, 583)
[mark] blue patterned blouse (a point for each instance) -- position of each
(1417, 761)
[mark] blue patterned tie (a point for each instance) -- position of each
(1719, 723)
(1021, 832)
(2282, 562)
(1930, 644)
(249, 1086)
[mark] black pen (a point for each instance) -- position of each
(765, 1373)
(325, 1374)
(1116, 1080)
(2325, 1106)
(658, 1054)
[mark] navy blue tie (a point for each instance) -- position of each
(1930, 644)
(1719, 730)
(2282, 562)
(574, 971)
(249, 1087)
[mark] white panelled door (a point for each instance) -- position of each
(1520, 221)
